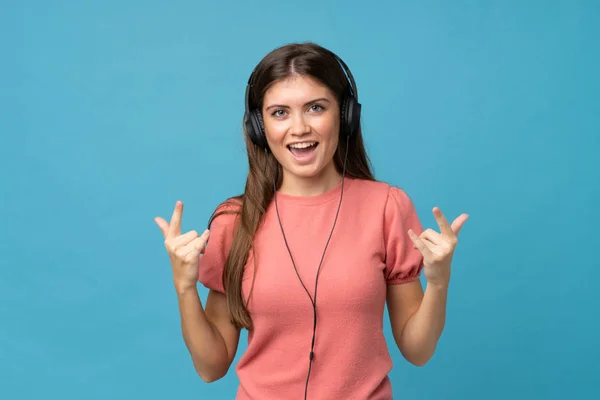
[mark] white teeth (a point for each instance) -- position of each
(302, 145)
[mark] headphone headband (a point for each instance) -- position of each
(351, 83)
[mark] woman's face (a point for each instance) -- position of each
(302, 123)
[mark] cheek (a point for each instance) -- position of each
(275, 132)
(329, 130)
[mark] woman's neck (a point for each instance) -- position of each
(310, 186)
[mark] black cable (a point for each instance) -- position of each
(313, 301)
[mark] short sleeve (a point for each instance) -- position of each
(212, 262)
(403, 262)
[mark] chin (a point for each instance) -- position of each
(302, 171)
(310, 172)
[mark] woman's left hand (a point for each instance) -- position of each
(438, 248)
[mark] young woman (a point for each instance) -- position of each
(307, 257)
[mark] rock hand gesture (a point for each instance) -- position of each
(183, 249)
(438, 247)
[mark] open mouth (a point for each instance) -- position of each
(302, 150)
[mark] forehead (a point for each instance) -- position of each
(296, 89)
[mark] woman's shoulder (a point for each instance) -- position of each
(376, 189)
(379, 197)
(226, 212)
(372, 184)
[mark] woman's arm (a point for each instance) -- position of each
(210, 337)
(417, 319)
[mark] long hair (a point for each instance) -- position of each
(307, 59)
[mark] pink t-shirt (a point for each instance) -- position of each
(369, 249)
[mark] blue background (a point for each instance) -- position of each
(111, 111)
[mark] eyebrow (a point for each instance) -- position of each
(305, 104)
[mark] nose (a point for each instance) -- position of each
(299, 125)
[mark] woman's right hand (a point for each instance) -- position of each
(184, 250)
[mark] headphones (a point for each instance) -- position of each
(349, 111)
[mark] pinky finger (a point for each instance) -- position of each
(196, 247)
(203, 241)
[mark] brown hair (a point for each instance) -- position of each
(307, 59)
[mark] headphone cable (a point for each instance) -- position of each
(313, 301)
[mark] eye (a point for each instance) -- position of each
(278, 113)
(317, 108)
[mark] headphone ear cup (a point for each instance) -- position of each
(257, 130)
(344, 116)
(355, 119)
(250, 128)
(350, 115)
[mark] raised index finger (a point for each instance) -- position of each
(175, 224)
